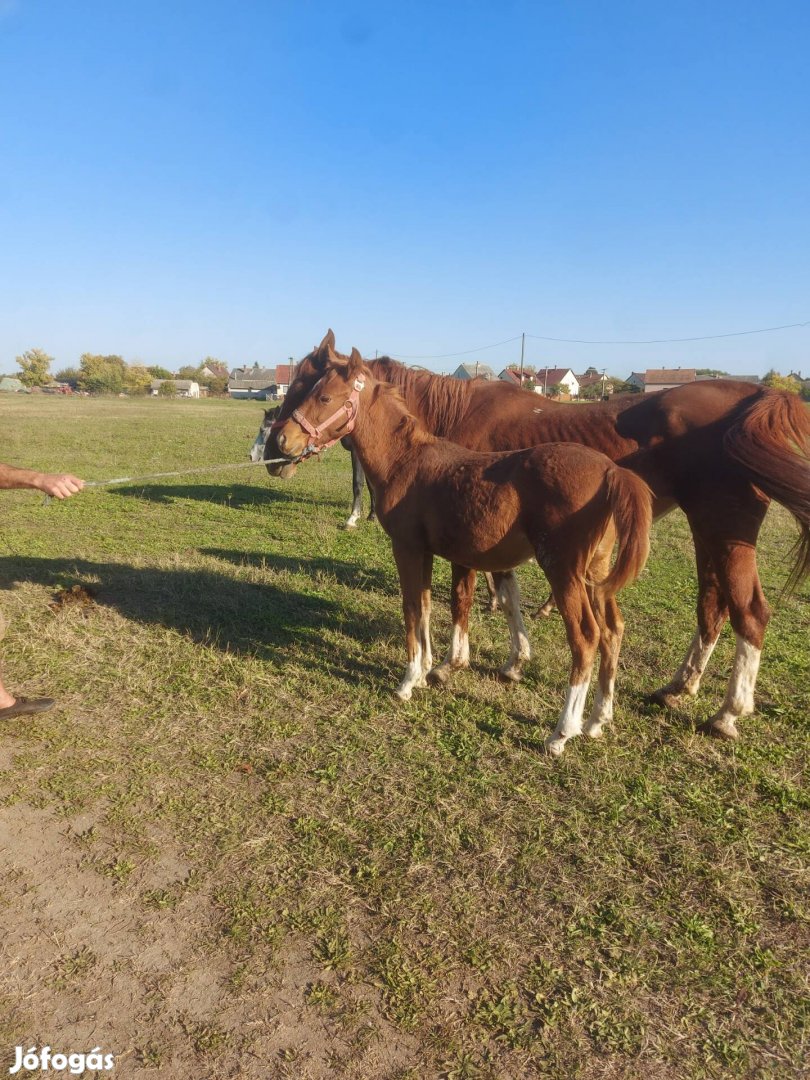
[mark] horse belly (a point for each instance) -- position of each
(482, 550)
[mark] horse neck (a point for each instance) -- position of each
(438, 401)
(385, 434)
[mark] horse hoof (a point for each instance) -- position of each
(667, 699)
(509, 675)
(438, 677)
(720, 728)
(554, 746)
(404, 695)
(545, 611)
(595, 732)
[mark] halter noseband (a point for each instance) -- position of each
(348, 408)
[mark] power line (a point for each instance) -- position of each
(604, 341)
(464, 352)
(668, 341)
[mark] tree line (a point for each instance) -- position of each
(98, 374)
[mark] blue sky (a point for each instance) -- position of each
(182, 179)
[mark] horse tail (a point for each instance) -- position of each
(629, 502)
(771, 443)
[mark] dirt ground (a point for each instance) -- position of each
(81, 966)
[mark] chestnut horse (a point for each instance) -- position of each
(719, 450)
(563, 504)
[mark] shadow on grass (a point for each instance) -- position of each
(217, 610)
(347, 573)
(234, 495)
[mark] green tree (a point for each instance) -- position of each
(158, 372)
(189, 372)
(35, 364)
(102, 374)
(137, 379)
(69, 375)
(556, 390)
(217, 385)
(168, 388)
(782, 382)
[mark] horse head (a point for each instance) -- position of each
(307, 373)
(327, 411)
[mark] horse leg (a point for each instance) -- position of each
(520, 650)
(492, 589)
(749, 614)
(712, 612)
(411, 580)
(582, 632)
(372, 513)
(546, 609)
(424, 620)
(358, 478)
(462, 592)
(611, 630)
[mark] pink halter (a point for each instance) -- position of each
(348, 408)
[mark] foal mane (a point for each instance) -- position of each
(439, 400)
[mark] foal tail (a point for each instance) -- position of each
(771, 442)
(630, 505)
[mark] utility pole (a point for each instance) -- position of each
(522, 347)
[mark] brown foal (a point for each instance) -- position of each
(563, 504)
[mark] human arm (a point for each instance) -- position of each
(59, 485)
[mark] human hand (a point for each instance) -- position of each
(60, 486)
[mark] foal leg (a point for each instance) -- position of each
(411, 580)
(583, 633)
(611, 631)
(520, 650)
(462, 592)
(749, 614)
(424, 621)
(372, 513)
(492, 589)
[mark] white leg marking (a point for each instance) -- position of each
(354, 517)
(458, 656)
(739, 699)
(520, 650)
(687, 678)
(424, 635)
(413, 675)
(570, 722)
(601, 712)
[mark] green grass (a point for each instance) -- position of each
(636, 908)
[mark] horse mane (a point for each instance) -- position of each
(440, 400)
(409, 425)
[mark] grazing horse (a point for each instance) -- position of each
(358, 477)
(720, 450)
(563, 504)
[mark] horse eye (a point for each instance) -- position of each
(325, 399)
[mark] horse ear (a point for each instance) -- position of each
(355, 361)
(327, 343)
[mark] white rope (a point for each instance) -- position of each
(183, 472)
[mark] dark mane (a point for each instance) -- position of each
(443, 400)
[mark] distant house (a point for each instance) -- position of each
(636, 379)
(11, 386)
(284, 374)
(656, 379)
(592, 377)
(474, 371)
(256, 383)
(558, 376)
(514, 377)
(183, 387)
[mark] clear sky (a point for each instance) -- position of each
(181, 179)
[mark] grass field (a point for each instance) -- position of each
(231, 852)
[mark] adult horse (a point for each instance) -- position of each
(720, 450)
(358, 476)
(565, 505)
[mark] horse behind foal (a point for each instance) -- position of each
(358, 476)
(563, 504)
